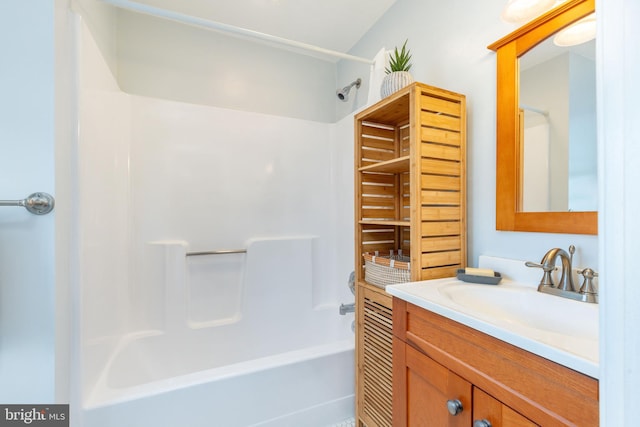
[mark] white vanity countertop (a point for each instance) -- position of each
(558, 329)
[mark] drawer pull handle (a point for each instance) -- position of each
(481, 423)
(454, 406)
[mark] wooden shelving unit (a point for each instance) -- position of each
(410, 187)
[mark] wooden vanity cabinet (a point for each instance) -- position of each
(431, 389)
(437, 360)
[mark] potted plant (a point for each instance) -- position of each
(397, 72)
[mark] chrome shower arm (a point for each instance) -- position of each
(343, 94)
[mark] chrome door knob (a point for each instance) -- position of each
(481, 423)
(454, 406)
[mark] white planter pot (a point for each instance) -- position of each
(395, 81)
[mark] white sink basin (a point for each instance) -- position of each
(559, 329)
(526, 307)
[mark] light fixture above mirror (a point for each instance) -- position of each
(577, 33)
(520, 11)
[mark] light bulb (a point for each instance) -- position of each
(579, 32)
(518, 11)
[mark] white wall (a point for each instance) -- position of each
(103, 209)
(159, 58)
(449, 44)
(618, 156)
(27, 272)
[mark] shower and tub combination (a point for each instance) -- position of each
(211, 270)
(263, 356)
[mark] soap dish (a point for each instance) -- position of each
(472, 278)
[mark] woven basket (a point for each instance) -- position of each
(386, 269)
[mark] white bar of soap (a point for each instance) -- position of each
(479, 272)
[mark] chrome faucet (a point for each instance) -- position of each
(566, 280)
(566, 287)
(350, 308)
(347, 308)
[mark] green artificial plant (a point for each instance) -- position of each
(399, 60)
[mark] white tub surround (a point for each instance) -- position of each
(556, 328)
(252, 338)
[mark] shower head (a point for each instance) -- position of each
(343, 94)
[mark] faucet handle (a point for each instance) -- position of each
(588, 273)
(547, 269)
(587, 285)
(588, 290)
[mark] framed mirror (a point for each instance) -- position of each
(551, 187)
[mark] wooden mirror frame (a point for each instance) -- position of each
(509, 49)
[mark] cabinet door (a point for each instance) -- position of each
(489, 412)
(374, 355)
(432, 391)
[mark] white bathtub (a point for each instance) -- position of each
(151, 381)
(272, 360)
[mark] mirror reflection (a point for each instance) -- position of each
(557, 106)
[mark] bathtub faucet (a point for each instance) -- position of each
(347, 308)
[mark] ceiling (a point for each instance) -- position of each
(330, 24)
